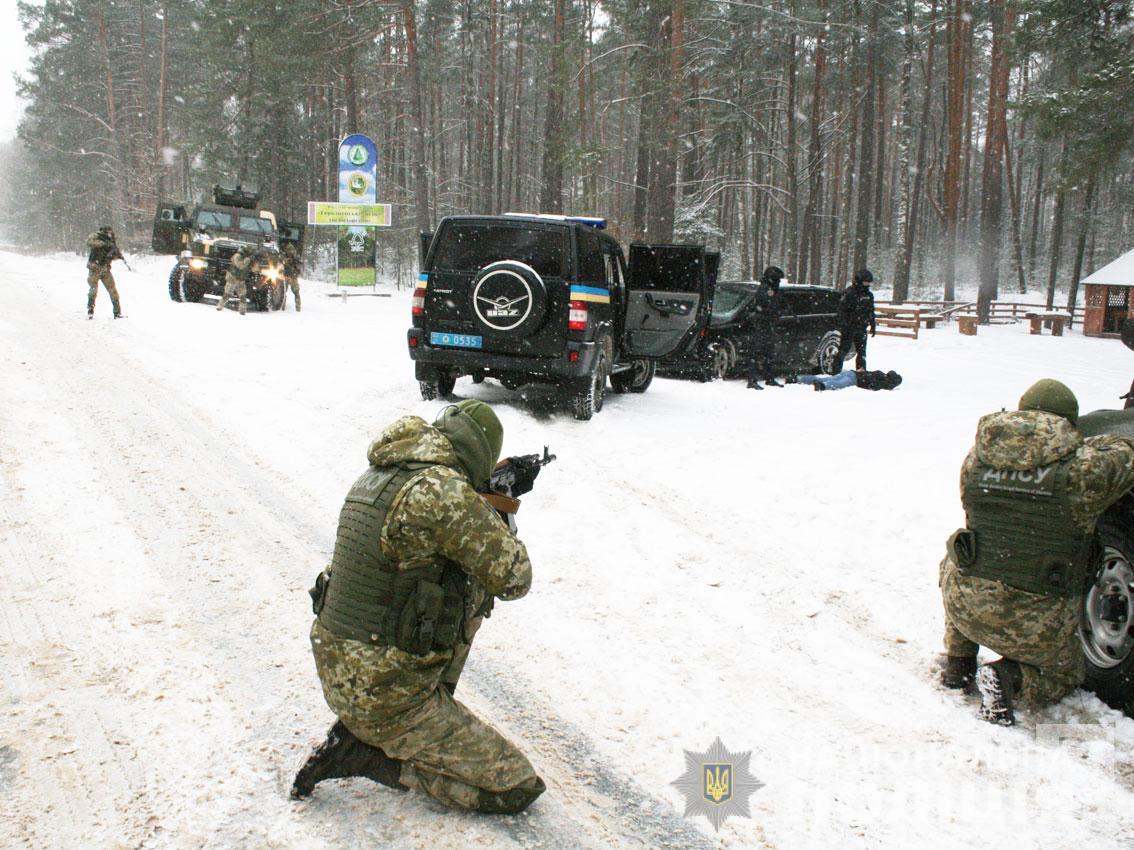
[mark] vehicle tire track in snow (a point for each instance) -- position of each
(234, 660)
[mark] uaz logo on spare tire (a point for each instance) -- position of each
(505, 295)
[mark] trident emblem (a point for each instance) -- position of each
(718, 783)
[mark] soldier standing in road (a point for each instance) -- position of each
(856, 314)
(103, 252)
(762, 313)
(1032, 488)
(291, 263)
(235, 282)
(419, 558)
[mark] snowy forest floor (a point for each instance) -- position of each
(708, 562)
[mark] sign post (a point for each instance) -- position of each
(356, 215)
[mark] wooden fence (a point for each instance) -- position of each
(906, 318)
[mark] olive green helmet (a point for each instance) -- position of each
(1051, 396)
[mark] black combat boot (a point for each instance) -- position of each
(998, 683)
(959, 671)
(772, 382)
(343, 755)
(752, 385)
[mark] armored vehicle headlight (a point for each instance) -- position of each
(272, 273)
(198, 264)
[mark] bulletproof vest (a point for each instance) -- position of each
(1024, 533)
(368, 598)
(100, 255)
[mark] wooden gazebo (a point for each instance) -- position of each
(1107, 297)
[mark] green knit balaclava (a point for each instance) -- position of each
(1051, 396)
(476, 434)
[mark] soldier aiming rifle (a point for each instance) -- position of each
(103, 250)
(419, 559)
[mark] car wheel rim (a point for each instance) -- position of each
(1108, 625)
(720, 362)
(830, 353)
(641, 370)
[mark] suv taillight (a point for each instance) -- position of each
(577, 319)
(418, 301)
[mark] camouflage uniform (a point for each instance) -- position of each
(1038, 631)
(399, 701)
(291, 271)
(235, 283)
(103, 251)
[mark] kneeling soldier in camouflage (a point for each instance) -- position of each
(1012, 580)
(418, 560)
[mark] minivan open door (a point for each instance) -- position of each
(668, 297)
(169, 225)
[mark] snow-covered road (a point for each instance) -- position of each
(709, 562)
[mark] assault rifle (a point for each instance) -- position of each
(115, 253)
(513, 477)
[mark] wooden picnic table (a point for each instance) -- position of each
(1053, 319)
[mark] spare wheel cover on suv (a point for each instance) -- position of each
(508, 297)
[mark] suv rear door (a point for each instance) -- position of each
(460, 302)
(668, 298)
(169, 223)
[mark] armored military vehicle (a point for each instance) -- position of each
(205, 236)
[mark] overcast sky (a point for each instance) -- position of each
(13, 58)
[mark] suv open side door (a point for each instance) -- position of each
(170, 222)
(668, 297)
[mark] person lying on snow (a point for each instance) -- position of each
(861, 378)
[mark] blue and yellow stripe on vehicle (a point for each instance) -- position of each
(422, 280)
(594, 294)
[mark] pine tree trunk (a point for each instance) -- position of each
(159, 129)
(551, 198)
(905, 199)
(995, 142)
(866, 145)
(1081, 244)
(955, 86)
(1017, 245)
(420, 184)
(1056, 241)
(1037, 205)
(810, 254)
(662, 196)
(792, 218)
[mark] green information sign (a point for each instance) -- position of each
(349, 215)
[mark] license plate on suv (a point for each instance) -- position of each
(456, 340)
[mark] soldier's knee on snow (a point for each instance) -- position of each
(510, 802)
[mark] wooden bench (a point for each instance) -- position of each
(967, 325)
(900, 320)
(1053, 320)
